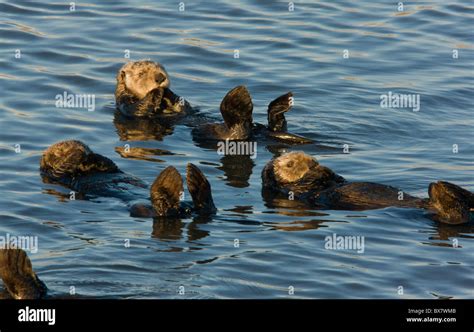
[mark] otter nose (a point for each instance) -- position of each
(160, 78)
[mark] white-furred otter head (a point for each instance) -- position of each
(140, 77)
(292, 166)
(68, 159)
(299, 173)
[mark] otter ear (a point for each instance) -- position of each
(123, 74)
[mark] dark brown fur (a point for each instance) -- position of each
(66, 161)
(300, 175)
(18, 276)
(167, 189)
(236, 110)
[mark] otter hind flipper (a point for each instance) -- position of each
(18, 276)
(200, 190)
(236, 107)
(276, 112)
(451, 202)
(277, 124)
(166, 191)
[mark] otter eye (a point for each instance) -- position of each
(160, 78)
(290, 164)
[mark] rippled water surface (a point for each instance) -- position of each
(336, 102)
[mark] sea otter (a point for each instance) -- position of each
(301, 176)
(74, 165)
(236, 109)
(19, 279)
(143, 91)
(239, 129)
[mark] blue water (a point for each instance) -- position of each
(81, 242)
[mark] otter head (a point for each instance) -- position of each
(292, 167)
(140, 77)
(299, 173)
(67, 159)
(451, 202)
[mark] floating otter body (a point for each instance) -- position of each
(236, 109)
(143, 91)
(299, 174)
(74, 165)
(19, 279)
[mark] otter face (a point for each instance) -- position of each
(69, 158)
(140, 77)
(451, 202)
(292, 167)
(299, 173)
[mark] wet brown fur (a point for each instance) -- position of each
(18, 276)
(301, 175)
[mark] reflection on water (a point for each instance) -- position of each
(139, 129)
(195, 231)
(237, 170)
(449, 233)
(141, 153)
(167, 229)
(296, 226)
(254, 247)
